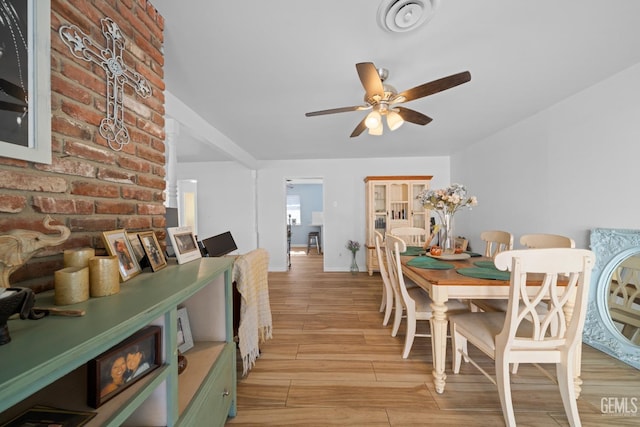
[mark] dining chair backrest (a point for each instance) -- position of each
(387, 291)
(574, 267)
(379, 242)
(394, 246)
(541, 241)
(496, 241)
(412, 236)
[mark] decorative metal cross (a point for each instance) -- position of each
(112, 127)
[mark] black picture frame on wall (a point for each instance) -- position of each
(26, 134)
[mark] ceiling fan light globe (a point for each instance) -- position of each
(394, 120)
(373, 120)
(376, 131)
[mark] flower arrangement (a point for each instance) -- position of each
(353, 246)
(447, 200)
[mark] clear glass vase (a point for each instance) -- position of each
(448, 242)
(354, 265)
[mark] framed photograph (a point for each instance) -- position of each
(185, 340)
(117, 244)
(461, 243)
(47, 416)
(152, 250)
(184, 244)
(122, 365)
(136, 245)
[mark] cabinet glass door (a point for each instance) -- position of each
(380, 208)
(418, 213)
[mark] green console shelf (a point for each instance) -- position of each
(46, 361)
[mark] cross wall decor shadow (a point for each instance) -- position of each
(112, 127)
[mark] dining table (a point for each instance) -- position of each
(467, 276)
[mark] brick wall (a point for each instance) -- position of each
(89, 187)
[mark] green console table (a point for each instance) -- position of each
(45, 363)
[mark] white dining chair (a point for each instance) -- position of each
(541, 241)
(414, 302)
(412, 236)
(496, 241)
(521, 335)
(386, 304)
(531, 241)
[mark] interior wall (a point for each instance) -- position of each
(226, 200)
(566, 170)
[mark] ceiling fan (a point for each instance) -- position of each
(383, 99)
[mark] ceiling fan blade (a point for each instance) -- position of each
(12, 89)
(370, 80)
(338, 110)
(435, 86)
(359, 129)
(413, 116)
(10, 106)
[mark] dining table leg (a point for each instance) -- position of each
(439, 324)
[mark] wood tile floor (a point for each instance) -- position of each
(331, 362)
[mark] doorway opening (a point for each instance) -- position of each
(304, 218)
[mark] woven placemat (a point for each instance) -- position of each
(429, 263)
(485, 264)
(413, 251)
(484, 273)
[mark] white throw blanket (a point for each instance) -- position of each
(250, 272)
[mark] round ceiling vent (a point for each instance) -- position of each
(400, 16)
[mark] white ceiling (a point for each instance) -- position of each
(251, 69)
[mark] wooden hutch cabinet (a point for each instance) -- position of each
(391, 203)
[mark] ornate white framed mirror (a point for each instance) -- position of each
(613, 317)
(25, 80)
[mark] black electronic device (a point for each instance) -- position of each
(220, 245)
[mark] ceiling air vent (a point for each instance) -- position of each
(399, 16)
